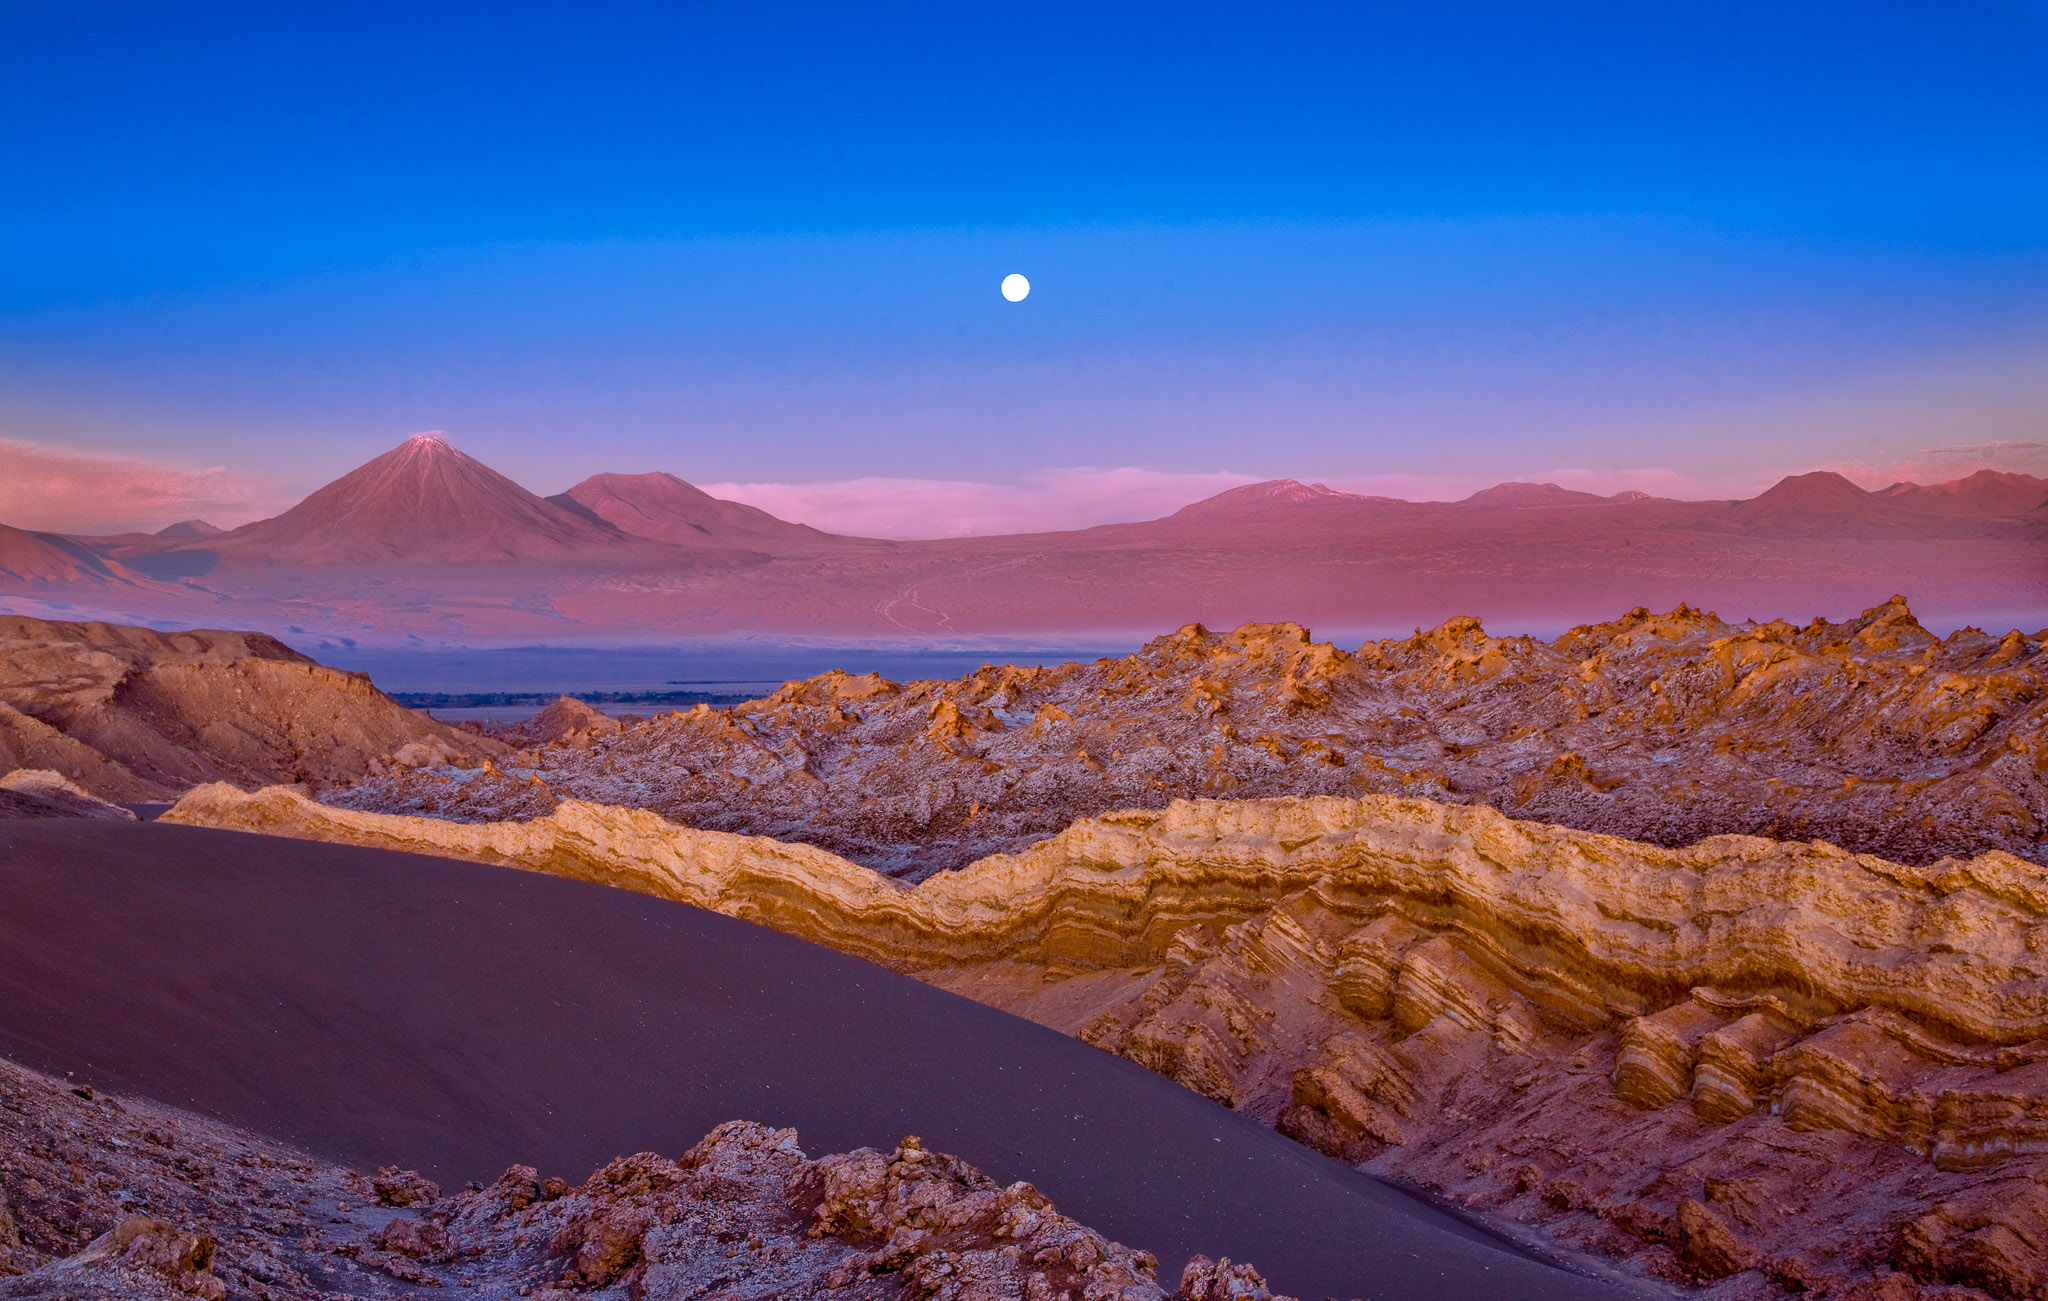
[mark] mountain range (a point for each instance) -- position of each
(427, 545)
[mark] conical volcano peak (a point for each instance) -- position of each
(423, 501)
(430, 444)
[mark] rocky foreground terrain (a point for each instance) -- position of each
(129, 714)
(105, 1200)
(1765, 1066)
(1871, 734)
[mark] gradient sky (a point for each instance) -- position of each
(1686, 248)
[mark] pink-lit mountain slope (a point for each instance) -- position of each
(665, 508)
(422, 501)
(1987, 492)
(1824, 503)
(426, 543)
(45, 558)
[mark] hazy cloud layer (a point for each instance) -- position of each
(54, 490)
(944, 508)
(1080, 497)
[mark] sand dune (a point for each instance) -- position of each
(380, 1007)
(1739, 1056)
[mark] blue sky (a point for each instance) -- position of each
(1684, 247)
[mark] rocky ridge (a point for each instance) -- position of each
(132, 714)
(1770, 1066)
(40, 793)
(103, 1200)
(1871, 733)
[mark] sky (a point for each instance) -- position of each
(1685, 248)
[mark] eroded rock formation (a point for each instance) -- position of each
(566, 719)
(1871, 734)
(132, 714)
(1775, 1062)
(137, 1202)
(40, 793)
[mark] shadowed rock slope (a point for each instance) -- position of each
(1776, 1064)
(177, 1206)
(1871, 734)
(133, 714)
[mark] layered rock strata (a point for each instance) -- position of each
(1872, 734)
(102, 1200)
(1775, 1063)
(136, 715)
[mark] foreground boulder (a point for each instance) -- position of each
(746, 1203)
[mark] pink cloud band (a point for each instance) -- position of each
(52, 490)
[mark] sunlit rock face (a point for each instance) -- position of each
(1871, 734)
(41, 793)
(1745, 1057)
(134, 714)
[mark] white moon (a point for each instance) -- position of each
(1015, 287)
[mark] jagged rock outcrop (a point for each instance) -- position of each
(565, 720)
(133, 714)
(1872, 734)
(1569, 1027)
(141, 1257)
(232, 1214)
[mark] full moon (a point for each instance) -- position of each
(1015, 287)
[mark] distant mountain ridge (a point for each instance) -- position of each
(1986, 492)
(667, 509)
(1534, 494)
(426, 544)
(27, 557)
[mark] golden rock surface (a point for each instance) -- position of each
(1771, 1059)
(1870, 733)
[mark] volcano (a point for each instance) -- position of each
(1820, 502)
(667, 509)
(422, 502)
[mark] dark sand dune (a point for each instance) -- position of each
(378, 1007)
